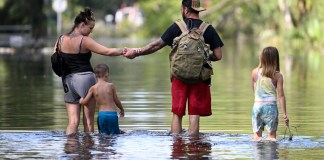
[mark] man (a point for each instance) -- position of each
(197, 94)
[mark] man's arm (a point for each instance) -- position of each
(217, 54)
(148, 49)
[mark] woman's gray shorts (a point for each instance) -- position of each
(78, 85)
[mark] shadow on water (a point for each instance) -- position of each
(143, 144)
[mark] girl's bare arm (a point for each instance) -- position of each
(253, 78)
(281, 97)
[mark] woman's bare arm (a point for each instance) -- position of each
(95, 47)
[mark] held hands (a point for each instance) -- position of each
(131, 53)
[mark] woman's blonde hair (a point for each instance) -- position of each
(269, 62)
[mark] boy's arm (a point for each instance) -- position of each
(282, 98)
(86, 99)
(117, 102)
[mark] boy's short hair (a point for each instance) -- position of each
(100, 70)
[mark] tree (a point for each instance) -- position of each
(19, 12)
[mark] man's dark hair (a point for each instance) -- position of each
(188, 3)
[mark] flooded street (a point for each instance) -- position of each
(33, 116)
(143, 144)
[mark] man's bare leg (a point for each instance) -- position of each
(193, 125)
(176, 126)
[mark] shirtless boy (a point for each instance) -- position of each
(107, 100)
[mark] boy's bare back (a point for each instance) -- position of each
(105, 95)
(104, 92)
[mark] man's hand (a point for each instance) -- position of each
(131, 53)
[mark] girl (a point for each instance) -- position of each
(267, 84)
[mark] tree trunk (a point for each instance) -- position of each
(288, 17)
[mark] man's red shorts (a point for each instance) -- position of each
(197, 94)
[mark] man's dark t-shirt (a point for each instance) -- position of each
(210, 36)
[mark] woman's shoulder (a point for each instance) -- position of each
(88, 41)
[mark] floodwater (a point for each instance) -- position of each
(144, 144)
(33, 116)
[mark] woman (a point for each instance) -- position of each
(76, 48)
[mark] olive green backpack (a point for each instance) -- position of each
(189, 55)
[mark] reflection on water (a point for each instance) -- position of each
(142, 144)
(265, 150)
(32, 96)
(31, 99)
(75, 148)
(190, 148)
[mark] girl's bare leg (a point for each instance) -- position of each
(272, 136)
(257, 136)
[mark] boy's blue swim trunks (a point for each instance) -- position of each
(108, 122)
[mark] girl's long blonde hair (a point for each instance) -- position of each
(269, 62)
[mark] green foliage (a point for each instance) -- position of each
(159, 15)
(18, 12)
(261, 19)
(2, 3)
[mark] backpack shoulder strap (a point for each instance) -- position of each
(203, 27)
(182, 25)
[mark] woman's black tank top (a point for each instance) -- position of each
(76, 63)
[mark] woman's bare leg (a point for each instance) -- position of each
(88, 115)
(73, 111)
